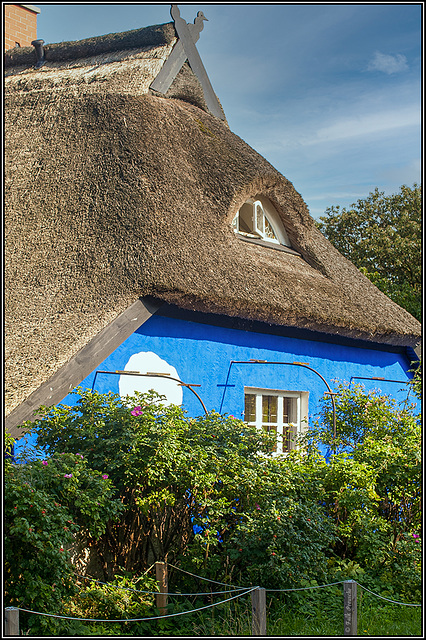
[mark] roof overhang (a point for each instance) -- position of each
(82, 363)
(31, 7)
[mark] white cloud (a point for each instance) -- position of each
(367, 125)
(387, 63)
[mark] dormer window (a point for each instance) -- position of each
(257, 219)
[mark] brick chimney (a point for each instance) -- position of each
(20, 25)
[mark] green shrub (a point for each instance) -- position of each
(46, 502)
(145, 482)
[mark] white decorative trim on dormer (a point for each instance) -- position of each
(258, 220)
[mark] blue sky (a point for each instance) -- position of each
(329, 94)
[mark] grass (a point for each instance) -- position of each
(374, 619)
(389, 620)
(301, 615)
(381, 622)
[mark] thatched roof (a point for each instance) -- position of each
(114, 193)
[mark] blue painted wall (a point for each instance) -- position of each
(202, 355)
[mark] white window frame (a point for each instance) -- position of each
(298, 427)
(269, 214)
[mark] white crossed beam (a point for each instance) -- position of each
(185, 49)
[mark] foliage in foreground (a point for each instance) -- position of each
(169, 471)
(46, 502)
(372, 488)
(144, 482)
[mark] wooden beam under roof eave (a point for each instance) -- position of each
(82, 363)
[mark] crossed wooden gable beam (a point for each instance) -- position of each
(185, 49)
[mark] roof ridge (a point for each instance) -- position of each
(152, 36)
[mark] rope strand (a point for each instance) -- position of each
(234, 588)
(405, 604)
(156, 593)
(319, 586)
(169, 615)
(202, 578)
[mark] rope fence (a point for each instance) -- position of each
(258, 602)
(169, 593)
(405, 604)
(168, 615)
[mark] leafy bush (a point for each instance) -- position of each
(144, 482)
(46, 502)
(372, 487)
(122, 598)
(284, 540)
(170, 472)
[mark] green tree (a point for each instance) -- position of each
(382, 235)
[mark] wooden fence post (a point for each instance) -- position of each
(11, 621)
(258, 610)
(350, 608)
(161, 598)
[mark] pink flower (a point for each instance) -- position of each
(44, 462)
(137, 411)
(105, 476)
(68, 475)
(257, 507)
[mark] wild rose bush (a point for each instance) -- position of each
(372, 487)
(46, 502)
(169, 471)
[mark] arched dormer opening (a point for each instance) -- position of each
(257, 219)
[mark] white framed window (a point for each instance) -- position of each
(283, 413)
(258, 219)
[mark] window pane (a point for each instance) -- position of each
(250, 407)
(246, 218)
(273, 430)
(289, 410)
(259, 218)
(269, 408)
(269, 232)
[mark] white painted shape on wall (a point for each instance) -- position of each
(144, 362)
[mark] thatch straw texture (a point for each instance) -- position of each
(153, 37)
(113, 193)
